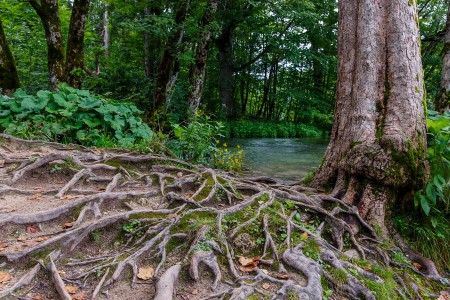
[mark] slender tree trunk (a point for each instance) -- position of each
(9, 79)
(75, 42)
(169, 57)
(106, 35)
(198, 70)
(443, 100)
(225, 47)
(48, 12)
(379, 132)
(148, 72)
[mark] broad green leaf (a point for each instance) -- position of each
(72, 97)
(83, 93)
(16, 107)
(91, 123)
(5, 121)
(431, 193)
(425, 205)
(61, 101)
(89, 102)
(4, 113)
(434, 222)
(19, 93)
(81, 135)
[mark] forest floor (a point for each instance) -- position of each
(79, 223)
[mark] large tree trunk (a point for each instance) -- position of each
(48, 12)
(9, 79)
(198, 70)
(169, 57)
(379, 132)
(75, 43)
(443, 101)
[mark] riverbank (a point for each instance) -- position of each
(270, 129)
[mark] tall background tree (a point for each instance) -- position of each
(443, 99)
(9, 78)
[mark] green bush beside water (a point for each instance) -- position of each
(265, 129)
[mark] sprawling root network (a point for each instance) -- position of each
(110, 214)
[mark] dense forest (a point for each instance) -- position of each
(118, 110)
(271, 60)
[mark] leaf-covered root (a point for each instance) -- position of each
(103, 222)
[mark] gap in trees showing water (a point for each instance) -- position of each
(286, 160)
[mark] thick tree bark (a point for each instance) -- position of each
(198, 70)
(443, 100)
(169, 57)
(9, 79)
(379, 132)
(225, 47)
(75, 43)
(48, 12)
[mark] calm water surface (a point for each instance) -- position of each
(288, 160)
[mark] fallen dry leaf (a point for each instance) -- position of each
(368, 268)
(266, 286)
(146, 273)
(444, 295)
(42, 238)
(33, 228)
(247, 269)
(194, 292)
(35, 196)
(280, 276)
(244, 261)
(417, 266)
(68, 225)
(4, 277)
(3, 246)
(37, 297)
(72, 289)
(29, 244)
(21, 238)
(79, 296)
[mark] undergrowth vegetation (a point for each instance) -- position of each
(72, 116)
(429, 226)
(266, 129)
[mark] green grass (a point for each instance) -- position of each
(268, 129)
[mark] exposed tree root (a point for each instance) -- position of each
(114, 214)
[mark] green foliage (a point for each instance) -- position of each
(131, 226)
(250, 129)
(311, 249)
(229, 160)
(428, 226)
(434, 198)
(72, 116)
(198, 142)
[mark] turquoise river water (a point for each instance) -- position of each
(287, 160)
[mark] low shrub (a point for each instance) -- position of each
(72, 116)
(265, 129)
